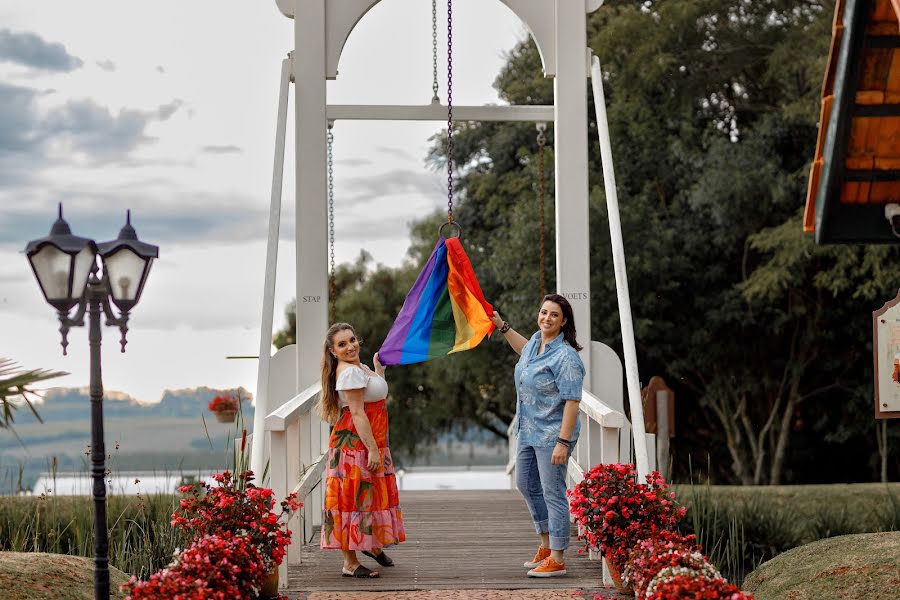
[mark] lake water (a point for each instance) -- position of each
(419, 478)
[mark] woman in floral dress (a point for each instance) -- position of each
(549, 378)
(362, 506)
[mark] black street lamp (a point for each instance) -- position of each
(67, 270)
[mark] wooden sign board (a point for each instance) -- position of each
(886, 347)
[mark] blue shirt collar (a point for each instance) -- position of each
(557, 341)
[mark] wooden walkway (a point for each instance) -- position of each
(455, 540)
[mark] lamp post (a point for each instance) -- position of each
(67, 270)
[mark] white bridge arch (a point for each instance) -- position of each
(289, 437)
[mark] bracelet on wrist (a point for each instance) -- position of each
(505, 327)
(564, 442)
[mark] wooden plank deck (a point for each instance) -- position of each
(455, 540)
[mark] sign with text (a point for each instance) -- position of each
(886, 346)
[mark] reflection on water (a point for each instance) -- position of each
(418, 478)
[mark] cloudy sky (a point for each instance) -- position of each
(169, 109)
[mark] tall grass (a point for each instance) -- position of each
(742, 527)
(141, 540)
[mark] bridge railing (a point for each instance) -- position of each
(298, 444)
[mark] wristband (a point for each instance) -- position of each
(564, 442)
(505, 327)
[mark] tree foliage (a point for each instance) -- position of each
(765, 337)
(17, 383)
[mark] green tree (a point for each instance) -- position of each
(713, 109)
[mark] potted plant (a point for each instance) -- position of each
(237, 507)
(225, 406)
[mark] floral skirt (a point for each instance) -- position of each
(362, 507)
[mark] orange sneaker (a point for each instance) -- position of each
(539, 557)
(548, 568)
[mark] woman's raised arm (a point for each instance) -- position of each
(513, 337)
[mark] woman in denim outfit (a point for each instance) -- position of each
(549, 378)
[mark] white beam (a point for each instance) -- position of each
(618, 256)
(257, 445)
(312, 218)
(570, 139)
(437, 112)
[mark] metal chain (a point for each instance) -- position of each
(332, 284)
(435, 99)
(541, 142)
(449, 111)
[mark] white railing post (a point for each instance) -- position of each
(662, 433)
(294, 436)
(278, 477)
(513, 450)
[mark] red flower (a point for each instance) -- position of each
(237, 507)
(224, 403)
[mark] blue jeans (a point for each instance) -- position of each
(544, 487)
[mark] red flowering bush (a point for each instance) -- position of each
(690, 586)
(633, 525)
(238, 507)
(217, 567)
(616, 512)
(225, 403)
(653, 554)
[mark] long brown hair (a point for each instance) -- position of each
(329, 404)
(568, 330)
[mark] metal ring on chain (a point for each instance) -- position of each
(453, 225)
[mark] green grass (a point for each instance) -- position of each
(740, 527)
(141, 541)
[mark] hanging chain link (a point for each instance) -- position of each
(449, 111)
(435, 99)
(332, 284)
(541, 142)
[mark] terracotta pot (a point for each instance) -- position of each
(225, 416)
(270, 585)
(617, 580)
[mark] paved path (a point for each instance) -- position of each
(460, 545)
(561, 594)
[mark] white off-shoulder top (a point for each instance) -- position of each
(353, 378)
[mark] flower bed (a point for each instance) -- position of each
(634, 526)
(237, 540)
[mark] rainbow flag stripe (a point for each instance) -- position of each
(444, 312)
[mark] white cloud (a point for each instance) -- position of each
(181, 131)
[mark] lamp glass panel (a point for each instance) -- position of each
(84, 260)
(52, 267)
(124, 269)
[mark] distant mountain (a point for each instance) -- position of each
(67, 404)
(176, 433)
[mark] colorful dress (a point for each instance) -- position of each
(362, 507)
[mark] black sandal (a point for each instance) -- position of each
(382, 559)
(360, 572)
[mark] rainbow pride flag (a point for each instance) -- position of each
(444, 312)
